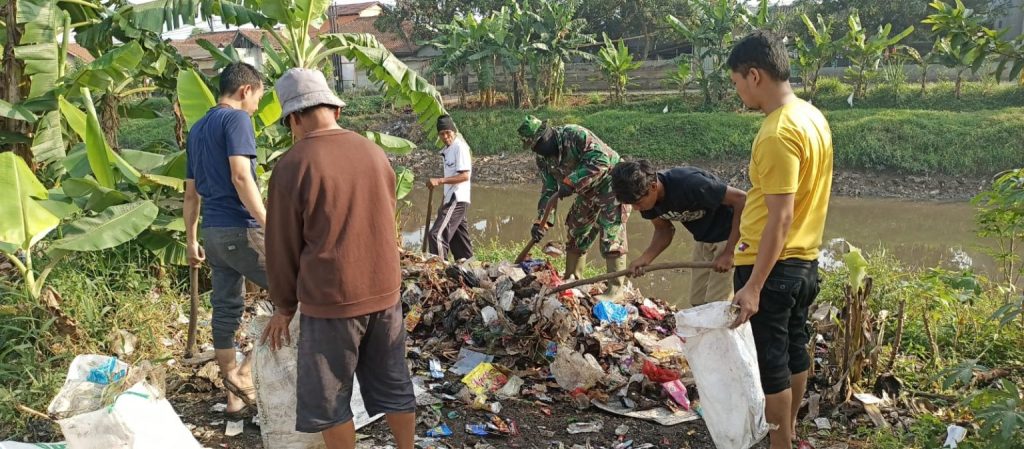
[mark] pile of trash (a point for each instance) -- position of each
(486, 333)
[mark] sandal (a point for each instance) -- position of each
(804, 444)
(241, 413)
(245, 394)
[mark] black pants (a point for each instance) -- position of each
(780, 324)
(450, 232)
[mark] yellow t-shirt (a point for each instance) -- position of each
(792, 153)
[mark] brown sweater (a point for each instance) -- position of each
(330, 237)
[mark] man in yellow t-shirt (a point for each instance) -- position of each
(776, 275)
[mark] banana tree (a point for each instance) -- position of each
(33, 61)
(816, 50)
(98, 179)
(711, 31)
(866, 53)
(558, 43)
(29, 213)
(616, 63)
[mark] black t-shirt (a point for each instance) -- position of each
(694, 197)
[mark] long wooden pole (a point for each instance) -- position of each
(648, 269)
(426, 226)
(193, 314)
(543, 222)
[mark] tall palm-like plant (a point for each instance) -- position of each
(558, 42)
(712, 30)
(616, 64)
(866, 52)
(816, 50)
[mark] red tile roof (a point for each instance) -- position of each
(351, 9)
(79, 52)
(392, 41)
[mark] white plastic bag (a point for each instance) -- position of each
(724, 365)
(274, 374)
(17, 445)
(138, 419)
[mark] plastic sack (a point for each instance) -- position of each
(17, 445)
(138, 419)
(274, 374)
(724, 365)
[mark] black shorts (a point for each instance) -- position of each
(331, 350)
(780, 325)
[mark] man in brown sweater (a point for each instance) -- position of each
(331, 251)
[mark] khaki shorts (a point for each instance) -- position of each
(332, 350)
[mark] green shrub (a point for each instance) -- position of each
(831, 87)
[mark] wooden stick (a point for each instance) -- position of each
(426, 227)
(544, 222)
(648, 269)
(36, 413)
(193, 314)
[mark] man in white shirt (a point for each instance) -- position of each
(450, 232)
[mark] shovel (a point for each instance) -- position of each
(426, 226)
(193, 312)
(543, 222)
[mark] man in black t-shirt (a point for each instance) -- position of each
(705, 206)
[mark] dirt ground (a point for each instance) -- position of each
(536, 430)
(520, 168)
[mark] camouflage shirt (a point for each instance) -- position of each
(583, 162)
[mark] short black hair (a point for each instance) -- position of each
(762, 50)
(632, 180)
(236, 75)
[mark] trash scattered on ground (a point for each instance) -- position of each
(234, 428)
(219, 408)
(954, 435)
(440, 431)
(823, 423)
(584, 427)
(493, 326)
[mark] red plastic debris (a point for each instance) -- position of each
(658, 374)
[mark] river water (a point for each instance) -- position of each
(920, 234)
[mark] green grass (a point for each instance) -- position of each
(905, 141)
(105, 292)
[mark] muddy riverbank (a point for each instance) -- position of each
(519, 168)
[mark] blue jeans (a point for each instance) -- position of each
(233, 254)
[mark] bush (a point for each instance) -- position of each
(833, 87)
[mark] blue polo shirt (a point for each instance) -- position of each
(221, 133)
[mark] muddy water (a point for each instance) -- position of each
(923, 234)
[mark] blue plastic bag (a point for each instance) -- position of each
(106, 374)
(611, 312)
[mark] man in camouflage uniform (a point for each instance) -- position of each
(572, 160)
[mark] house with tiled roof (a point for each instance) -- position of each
(247, 42)
(349, 18)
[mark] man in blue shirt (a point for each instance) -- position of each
(221, 177)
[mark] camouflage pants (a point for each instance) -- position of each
(598, 215)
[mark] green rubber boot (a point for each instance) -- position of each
(616, 287)
(575, 263)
